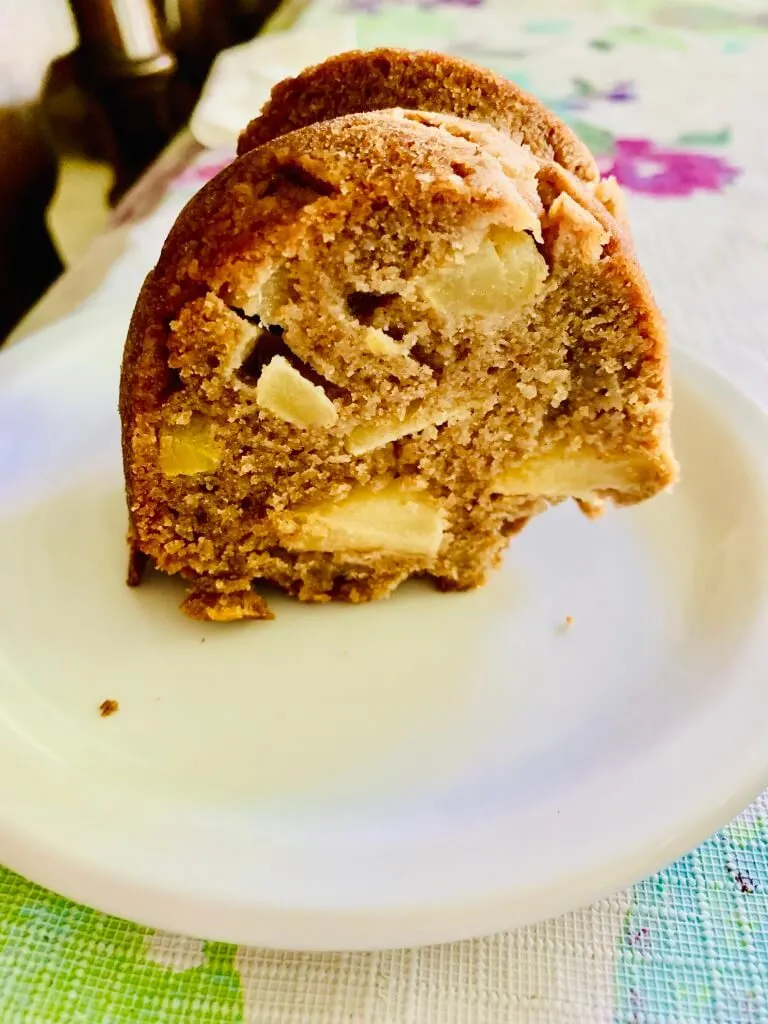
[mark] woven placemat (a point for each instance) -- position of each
(672, 98)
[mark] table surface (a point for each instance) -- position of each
(671, 97)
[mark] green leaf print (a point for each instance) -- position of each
(599, 140)
(640, 35)
(721, 138)
(391, 25)
(62, 963)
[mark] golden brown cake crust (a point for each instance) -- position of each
(362, 81)
(338, 236)
(206, 604)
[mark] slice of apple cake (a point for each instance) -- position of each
(374, 347)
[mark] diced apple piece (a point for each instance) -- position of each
(189, 449)
(379, 343)
(264, 296)
(282, 390)
(369, 436)
(577, 475)
(396, 520)
(505, 273)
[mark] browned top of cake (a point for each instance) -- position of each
(363, 81)
(266, 207)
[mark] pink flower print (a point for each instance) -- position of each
(199, 174)
(641, 166)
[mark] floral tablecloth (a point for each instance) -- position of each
(673, 99)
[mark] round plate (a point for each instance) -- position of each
(421, 769)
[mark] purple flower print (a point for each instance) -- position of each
(584, 94)
(622, 92)
(641, 166)
(641, 941)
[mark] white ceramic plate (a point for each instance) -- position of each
(422, 769)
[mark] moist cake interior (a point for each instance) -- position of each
(374, 348)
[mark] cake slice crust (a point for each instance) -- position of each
(363, 81)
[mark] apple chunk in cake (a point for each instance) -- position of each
(374, 348)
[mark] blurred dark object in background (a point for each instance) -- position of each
(119, 97)
(143, 63)
(29, 262)
(125, 68)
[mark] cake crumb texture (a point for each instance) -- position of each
(373, 348)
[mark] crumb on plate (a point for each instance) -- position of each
(108, 707)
